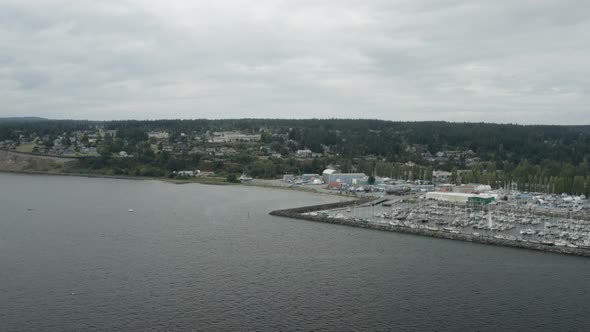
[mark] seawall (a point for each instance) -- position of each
(298, 213)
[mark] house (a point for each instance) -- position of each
(196, 150)
(123, 154)
(441, 176)
(103, 133)
(158, 135)
(167, 147)
(305, 153)
(88, 150)
(228, 151)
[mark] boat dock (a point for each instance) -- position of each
(460, 224)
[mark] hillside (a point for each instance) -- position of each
(19, 162)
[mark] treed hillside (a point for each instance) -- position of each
(539, 157)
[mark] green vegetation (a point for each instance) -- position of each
(536, 158)
(26, 148)
(232, 178)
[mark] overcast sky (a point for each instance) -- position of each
(459, 60)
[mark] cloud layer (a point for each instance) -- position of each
(457, 60)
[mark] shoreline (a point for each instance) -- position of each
(117, 177)
(298, 213)
(179, 182)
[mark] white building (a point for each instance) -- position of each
(233, 136)
(459, 197)
(441, 175)
(326, 174)
(305, 153)
(158, 135)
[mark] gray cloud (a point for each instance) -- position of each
(458, 60)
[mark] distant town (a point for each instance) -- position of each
(343, 155)
(523, 186)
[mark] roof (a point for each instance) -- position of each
(444, 193)
(329, 171)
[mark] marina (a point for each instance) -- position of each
(566, 233)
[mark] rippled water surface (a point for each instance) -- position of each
(198, 257)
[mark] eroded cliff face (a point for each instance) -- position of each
(18, 162)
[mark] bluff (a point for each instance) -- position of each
(22, 162)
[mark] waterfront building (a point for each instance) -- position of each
(326, 174)
(348, 178)
(460, 197)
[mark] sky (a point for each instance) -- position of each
(507, 61)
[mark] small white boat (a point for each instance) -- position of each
(130, 210)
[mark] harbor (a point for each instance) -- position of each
(557, 232)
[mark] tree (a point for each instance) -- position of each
(232, 178)
(371, 180)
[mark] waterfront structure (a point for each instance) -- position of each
(465, 188)
(460, 197)
(348, 178)
(448, 222)
(326, 174)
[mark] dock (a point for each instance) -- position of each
(309, 213)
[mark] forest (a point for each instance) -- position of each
(541, 158)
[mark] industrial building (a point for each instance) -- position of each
(348, 178)
(326, 174)
(460, 197)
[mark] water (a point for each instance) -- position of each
(189, 258)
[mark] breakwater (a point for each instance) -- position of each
(300, 213)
